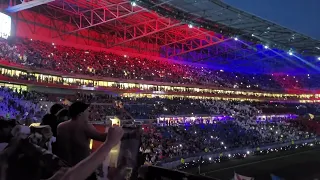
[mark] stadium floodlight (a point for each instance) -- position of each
(5, 26)
(190, 25)
(290, 53)
(133, 3)
(236, 39)
(266, 47)
(252, 35)
(319, 58)
(27, 5)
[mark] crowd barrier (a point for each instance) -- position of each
(175, 162)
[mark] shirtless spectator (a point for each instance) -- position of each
(73, 136)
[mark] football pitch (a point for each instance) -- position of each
(300, 164)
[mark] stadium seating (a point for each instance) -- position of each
(32, 53)
(169, 140)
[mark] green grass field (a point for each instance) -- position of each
(300, 164)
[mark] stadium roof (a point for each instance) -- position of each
(245, 25)
(206, 31)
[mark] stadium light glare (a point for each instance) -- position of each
(133, 3)
(266, 47)
(319, 58)
(190, 25)
(236, 39)
(290, 53)
(252, 35)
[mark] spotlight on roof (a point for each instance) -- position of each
(290, 53)
(236, 39)
(266, 47)
(190, 25)
(252, 35)
(133, 3)
(319, 58)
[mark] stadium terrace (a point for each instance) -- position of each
(147, 88)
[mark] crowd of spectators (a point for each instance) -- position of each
(20, 105)
(161, 143)
(33, 53)
(103, 105)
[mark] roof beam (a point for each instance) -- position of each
(27, 5)
(84, 19)
(192, 45)
(137, 31)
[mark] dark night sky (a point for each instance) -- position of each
(302, 16)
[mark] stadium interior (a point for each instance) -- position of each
(201, 89)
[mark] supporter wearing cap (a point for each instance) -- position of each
(73, 136)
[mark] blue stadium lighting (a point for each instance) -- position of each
(236, 39)
(319, 58)
(266, 47)
(290, 53)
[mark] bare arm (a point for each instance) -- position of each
(92, 133)
(87, 166)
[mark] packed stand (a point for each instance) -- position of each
(163, 142)
(19, 105)
(39, 54)
(166, 142)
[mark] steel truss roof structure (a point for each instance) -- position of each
(194, 30)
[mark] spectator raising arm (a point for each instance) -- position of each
(92, 133)
(86, 167)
